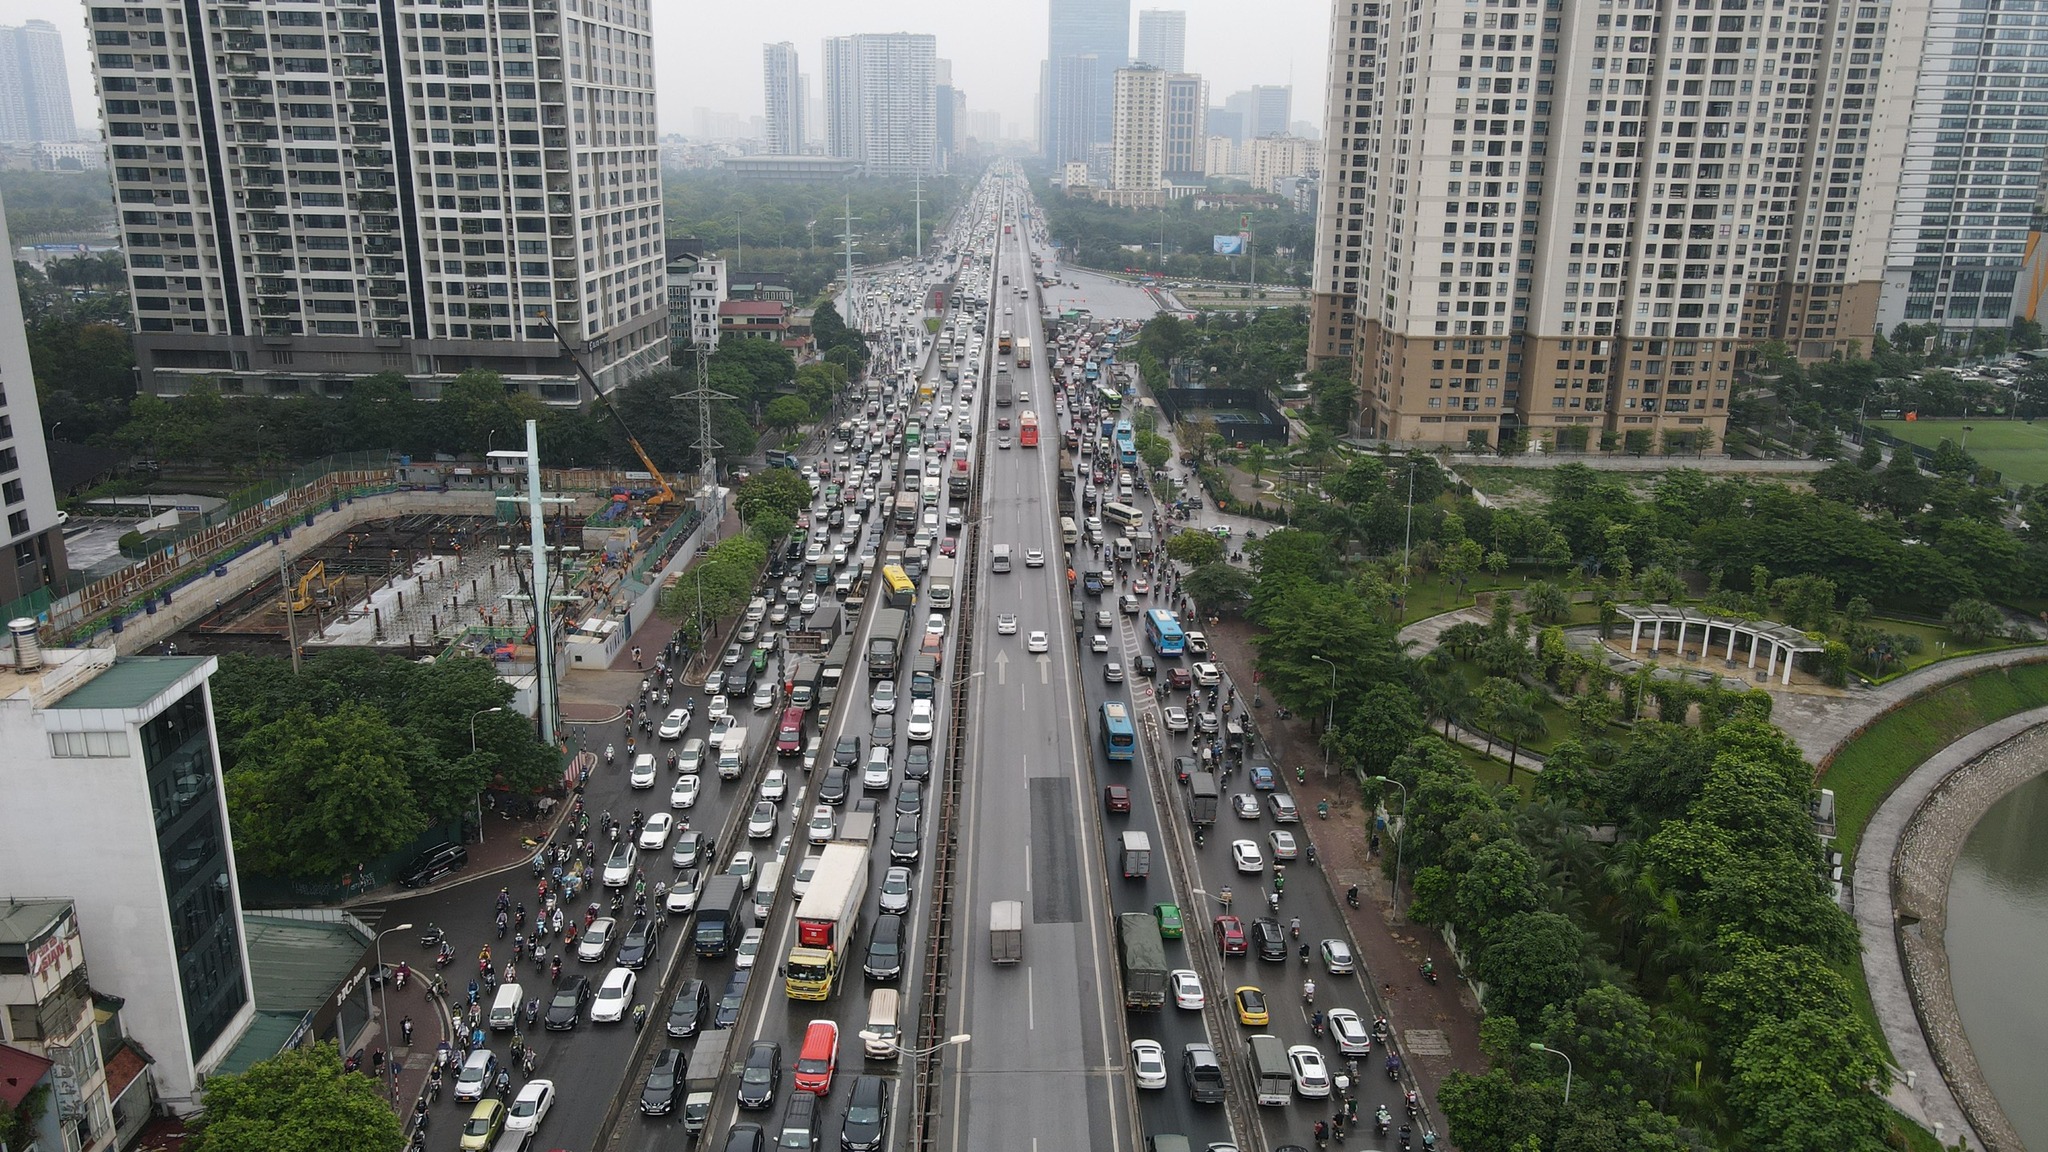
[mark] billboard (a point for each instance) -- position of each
(1227, 245)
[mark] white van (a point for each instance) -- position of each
(765, 883)
(999, 558)
(881, 1025)
(505, 1009)
(1123, 548)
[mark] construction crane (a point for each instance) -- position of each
(664, 494)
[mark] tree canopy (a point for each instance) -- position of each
(299, 1100)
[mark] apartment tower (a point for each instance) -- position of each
(34, 538)
(1348, 142)
(1187, 106)
(312, 193)
(1086, 42)
(783, 98)
(1163, 39)
(35, 88)
(1138, 140)
(881, 102)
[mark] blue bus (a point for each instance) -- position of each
(1163, 629)
(1126, 444)
(1119, 739)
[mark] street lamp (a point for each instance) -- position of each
(384, 1009)
(1394, 889)
(472, 752)
(1537, 1046)
(900, 1050)
(1329, 716)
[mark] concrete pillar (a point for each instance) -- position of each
(1788, 668)
(1635, 635)
(1771, 665)
(1680, 650)
(1731, 642)
(1754, 640)
(1657, 638)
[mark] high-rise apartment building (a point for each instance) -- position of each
(1270, 159)
(1162, 39)
(1971, 176)
(1555, 230)
(1187, 105)
(35, 89)
(312, 194)
(120, 753)
(1340, 211)
(783, 93)
(34, 560)
(1138, 139)
(1261, 110)
(881, 102)
(1086, 42)
(949, 117)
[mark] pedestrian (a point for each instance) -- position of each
(405, 1028)
(636, 656)
(377, 1060)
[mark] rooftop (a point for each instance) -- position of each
(20, 1072)
(297, 963)
(751, 308)
(24, 922)
(131, 682)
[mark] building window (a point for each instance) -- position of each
(73, 745)
(177, 748)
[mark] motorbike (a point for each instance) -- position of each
(610, 754)
(1393, 1067)
(1384, 1120)
(1429, 970)
(1407, 1138)
(1315, 1024)
(431, 936)
(1414, 1102)
(1304, 955)
(1351, 895)
(639, 1016)
(445, 956)
(1308, 991)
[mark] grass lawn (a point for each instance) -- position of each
(1936, 643)
(2016, 448)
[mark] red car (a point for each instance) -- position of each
(1179, 678)
(1116, 798)
(949, 547)
(1002, 422)
(1230, 935)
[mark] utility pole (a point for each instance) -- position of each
(917, 199)
(846, 235)
(739, 223)
(706, 446)
(291, 624)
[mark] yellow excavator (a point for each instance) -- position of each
(664, 494)
(314, 588)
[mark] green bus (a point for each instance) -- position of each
(1109, 399)
(912, 434)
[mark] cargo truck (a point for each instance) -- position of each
(886, 641)
(732, 753)
(1203, 795)
(803, 691)
(938, 588)
(717, 928)
(817, 634)
(700, 1076)
(1003, 390)
(1137, 855)
(1006, 931)
(1144, 961)
(825, 921)
(1272, 1078)
(857, 828)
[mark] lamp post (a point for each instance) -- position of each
(1329, 715)
(1536, 1046)
(384, 1009)
(472, 752)
(1400, 840)
(900, 1050)
(1407, 534)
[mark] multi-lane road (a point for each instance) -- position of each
(1048, 1066)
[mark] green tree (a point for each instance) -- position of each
(1218, 589)
(1902, 487)
(299, 1100)
(1547, 603)
(1811, 1083)
(1972, 621)
(1195, 548)
(315, 796)
(781, 491)
(1491, 1112)
(1611, 1037)
(1531, 961)
(1519, 719)
(1375, 729)
(786, 414)
(1499, 883)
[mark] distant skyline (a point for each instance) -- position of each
(711, 54)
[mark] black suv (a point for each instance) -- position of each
(1269, 939)
(763, 1075)
(637, 947)
(567, 1007)
(658, 1095)
(433, 864)
(846, 753)
(687, 1014)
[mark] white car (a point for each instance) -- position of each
(682, 897)
(1034, 558)
(1148, 1063)
(692, 758)
(896, 889)
(596, 939)
(1282, 844)
(1245, 854)
(874, 775)
(920, 726)
(775, 786)
(1353, 1039)
(764, 696)
(1099, 645)
(1338, 959)
(531, 1106)
(618, 867)
(935, 625)
(719, 708)
(749, 949)
(809, 603)
(742, 866)
(673, 724)
(1207, 674)
(883, 698)
(684, 794)
(613, 997)
(714, 681)
(643, 772)
(1176, 719)
(654, 834)
(822, 824)
(1311, 1075)
(1187, 989)
(761, 821)
(1006, 624)
(801, 883)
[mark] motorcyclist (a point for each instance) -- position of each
(1294, 927)
(1308, 991)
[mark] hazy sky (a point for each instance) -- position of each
(711, 51)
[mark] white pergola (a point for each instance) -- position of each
(1781, 639)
